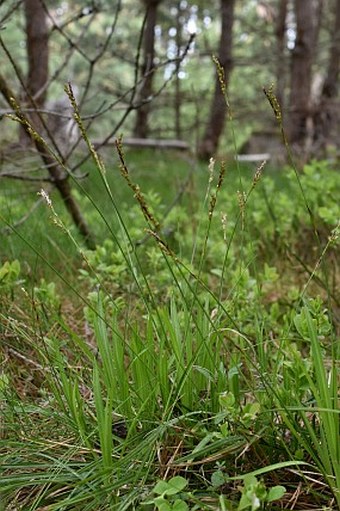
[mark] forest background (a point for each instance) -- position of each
(169, 279)
(147, 69)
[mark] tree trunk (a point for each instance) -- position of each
(37, 35)
(57, 175)
(209, 143)
(178, 95)
(326, 116)
(141, 129)
(307, 24)
(281, 41)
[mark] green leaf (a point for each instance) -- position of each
(9, 271)
(180, 505)
(276, 493)
(249, 480)
(161, 487)
(217, 478)
(244, 502)
(162, 504)
(171, 487)
(227, 399)
(176, 484)
(270, 468)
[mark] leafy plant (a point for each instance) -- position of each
(170, 495)
(255, 495)
(9, 275)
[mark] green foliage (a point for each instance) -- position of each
(46, 295)
(280, 210)
(255, 494)
(9, 275)
(170, 495)
(319, 316)
(233, 416)
(323, 433)
(321, 182)
(202, 347)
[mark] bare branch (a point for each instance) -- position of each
(9, 13)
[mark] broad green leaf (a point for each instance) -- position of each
(180, 505)
(249, 480)
(276, 493)
(162, 504)
(161, 487)
(244, 502)
(176, 484)
(217, 478)
(171, 487)
(227, 400)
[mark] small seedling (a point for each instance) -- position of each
(255, 495)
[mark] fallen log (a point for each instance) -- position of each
(253, 157)
(152, 143)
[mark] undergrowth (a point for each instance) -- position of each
(196, 366)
